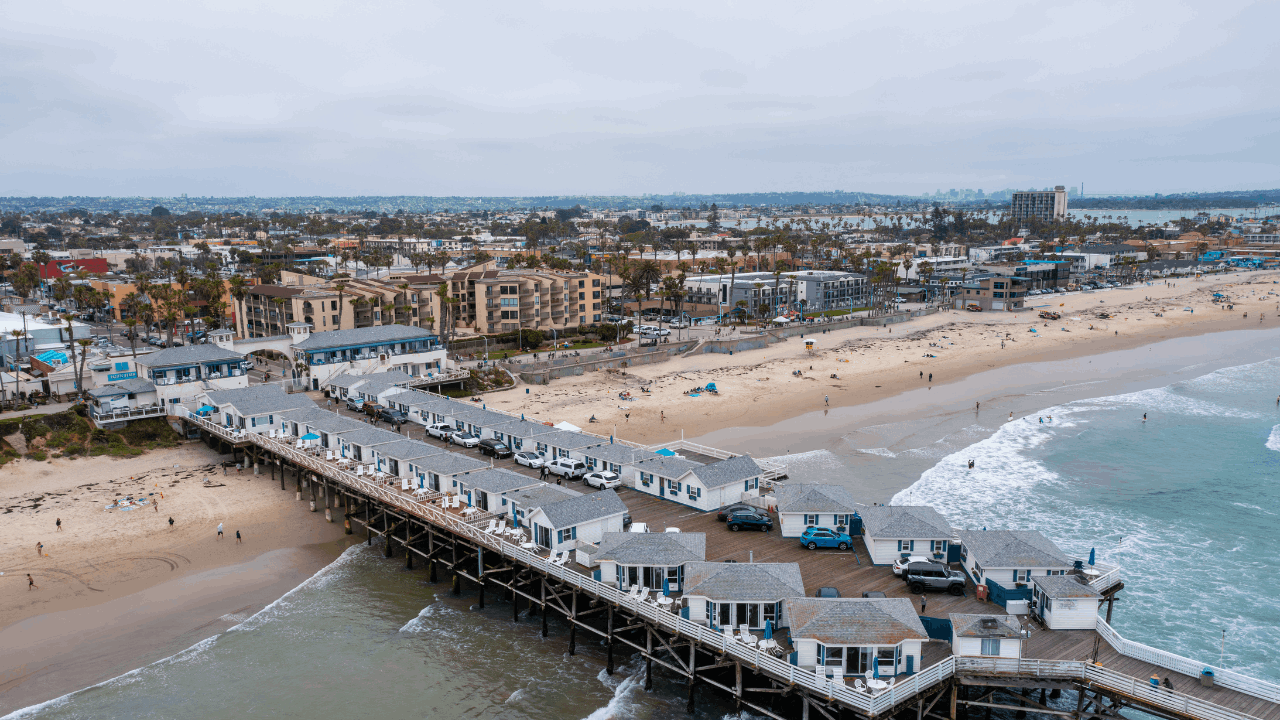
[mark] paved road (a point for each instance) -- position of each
(41, 410)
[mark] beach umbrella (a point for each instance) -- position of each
(1092, 552)
(768, 629)
(311, 436)
(875, 668)
(207, 408)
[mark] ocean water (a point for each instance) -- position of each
(1187, 503)
(364, 636)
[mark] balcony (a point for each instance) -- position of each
(106, 415)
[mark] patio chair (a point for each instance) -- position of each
(633, 592)
(359, 471)
(891, 681)
(404, 483)
(493, 525)
(328, 455)
(728, 632)
(502, 528)
(859, 685)
(644, 594)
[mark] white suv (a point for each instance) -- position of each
(901, 563)
(567, 467)
(602, 479)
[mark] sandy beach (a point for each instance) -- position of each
(118, 589)
(866, 364)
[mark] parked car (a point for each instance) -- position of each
(638, 528)
(602, 479)
(494, 447)
(816, 537)
(901, 563)
(529, 459)
(373, 409)
(396, 417)
(828, 592)
(438, 430)
(465, 439)
(750, 521)
(728, 510)
(873, 594)
(679, 325)
(933, 576)
(567, 467)
(354, 403)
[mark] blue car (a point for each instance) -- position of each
(816, 537)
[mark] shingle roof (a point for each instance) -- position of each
(408, 450)
(539, 495)
(523, 428)
(584, 508)
(345, 380)
(423, 401)
(855, 621)
(964, 625)
(382, 382)
(124, 387)
(1065, 586)
(496, 480)
(303, 414)
(450, 463)
(743, 581)
(904, 522)
(1021, 549)
(368, 435)
(567, 440)
(363, 336)
(728, 471)
(617, 453)
(479, 416)
(667, 467)
(259, 399)
(817, 499)
(653, 548)
(330, 423)
(188, 355)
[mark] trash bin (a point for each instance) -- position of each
(1206, 677)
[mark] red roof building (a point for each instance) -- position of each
(57, 268)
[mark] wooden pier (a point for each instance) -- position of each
(1100, 671)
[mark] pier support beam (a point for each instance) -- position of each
(608, 666)
(648, 658)
(573, 623)
(693, 675)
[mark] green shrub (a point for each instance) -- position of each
(37, 455)
(72, 449)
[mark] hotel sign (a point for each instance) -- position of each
(121, 376)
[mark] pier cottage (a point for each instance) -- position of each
(804, 506)
(181, 373)
(614, 457)
(891, 532)
(436, 472)
(475, 420)
(323, 423)
(398, 457)
(657, 475)
(562, 443)
(585, 519)
(519, 434)
(358, 444)
(257, 409)
(485, 488)
(730, 595)
(876, 637)
(522, 502)
(986, 635)
(1006, 561)
(1065, 602)
(124, 400)
(422, 408)
(412, 350)
(653, 560)
(717, 484)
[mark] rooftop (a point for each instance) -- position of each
(855, 621)
(1013, 549)
(1005, 626)
(817, 498)
(496, 480)
(627, 548)
(364, 336)
(584, 508)
(904, 522)
(188, 355)
(1065, 586)
(258, 400)
(743, 581)
(728, 471)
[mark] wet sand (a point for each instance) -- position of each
(117, 590)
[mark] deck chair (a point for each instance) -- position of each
(891, 681)
(728, 632)
(633, 592)
(564, 558)
(493, 525)
(502, 528)
(404, 483)
(359, 471)
(859, 685)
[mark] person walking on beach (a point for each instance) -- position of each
(58, 524)
(930, 377)
(219, 531)
(31, 583)
(826, 400)
(977, 406)
(39, 549)
(155, 506)
(170, 521)
(237, 537)
(662, 416)
(1010, 416)
(921, 374)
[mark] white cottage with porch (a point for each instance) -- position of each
(653, 560)
(804, 506)
(259, 409)
(585, 519)
(891, 532)
(868, 637)
(730, 595)
(1065, 602)
(986, 635)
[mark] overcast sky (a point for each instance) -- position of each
(243, 97)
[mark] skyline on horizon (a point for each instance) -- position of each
(327, 99)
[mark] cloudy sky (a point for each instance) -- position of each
(263, 97)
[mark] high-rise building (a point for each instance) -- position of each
(1043, 204)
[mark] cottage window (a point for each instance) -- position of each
(991, 647)
(906, 545)
(566, 534)
(810, 520)
(887, 657)
(939, 547)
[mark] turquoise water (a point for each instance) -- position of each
(1187, 503)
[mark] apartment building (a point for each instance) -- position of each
(1042, 204)
(509, 300)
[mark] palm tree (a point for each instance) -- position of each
(131, 323)
(71, 338)
(356, 302)
(648, 273)
(84, 355)
(341, 287)
(279, 303)
(239, 289)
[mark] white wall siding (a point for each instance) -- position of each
(1009, 647)
(1081, 614)
(807, 652)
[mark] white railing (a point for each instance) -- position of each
(130, 413)
(1109, 578)
(872, 705)
(1161, 658)
(772, 470)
